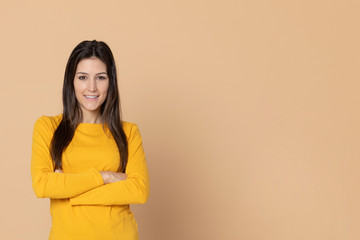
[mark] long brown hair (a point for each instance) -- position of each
(72, 115)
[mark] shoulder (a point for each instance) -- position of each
(48, 123)
(130, 129)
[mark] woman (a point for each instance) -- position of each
(87, 161)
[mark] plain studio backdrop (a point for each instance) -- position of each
(249, 111)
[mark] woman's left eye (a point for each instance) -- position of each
(101, 77)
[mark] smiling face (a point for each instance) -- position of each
(91, 85)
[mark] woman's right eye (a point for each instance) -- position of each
(82, 77)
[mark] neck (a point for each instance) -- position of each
(91, 117)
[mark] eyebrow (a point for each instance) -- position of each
(88, 74)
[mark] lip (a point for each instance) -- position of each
(91, 97)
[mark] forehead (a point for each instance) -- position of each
(91, 65)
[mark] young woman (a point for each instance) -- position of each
(89, 162)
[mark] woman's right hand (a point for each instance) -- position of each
(111, 177)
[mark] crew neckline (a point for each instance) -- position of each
(91, 123)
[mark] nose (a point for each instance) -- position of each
(92, 85)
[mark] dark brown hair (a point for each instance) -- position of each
(72, 115)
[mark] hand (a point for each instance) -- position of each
(59, 170)
(111, 177)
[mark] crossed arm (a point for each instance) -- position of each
(107, 176)
(91, 187)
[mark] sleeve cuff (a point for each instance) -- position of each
(98, 177)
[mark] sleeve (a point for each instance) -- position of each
(45, 182)
(133, 190)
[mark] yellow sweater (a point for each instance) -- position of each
(81, 206)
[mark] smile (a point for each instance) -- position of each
(91, 97)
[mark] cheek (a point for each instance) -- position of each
(77, 88)
(104, 89)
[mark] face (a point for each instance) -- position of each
(91, 85)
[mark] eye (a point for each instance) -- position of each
(82, 77)
(101, 77)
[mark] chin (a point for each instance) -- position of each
(91, 109)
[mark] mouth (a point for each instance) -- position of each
(91, 96)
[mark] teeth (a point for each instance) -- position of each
(91, 96)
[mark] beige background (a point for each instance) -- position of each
(249, 111)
